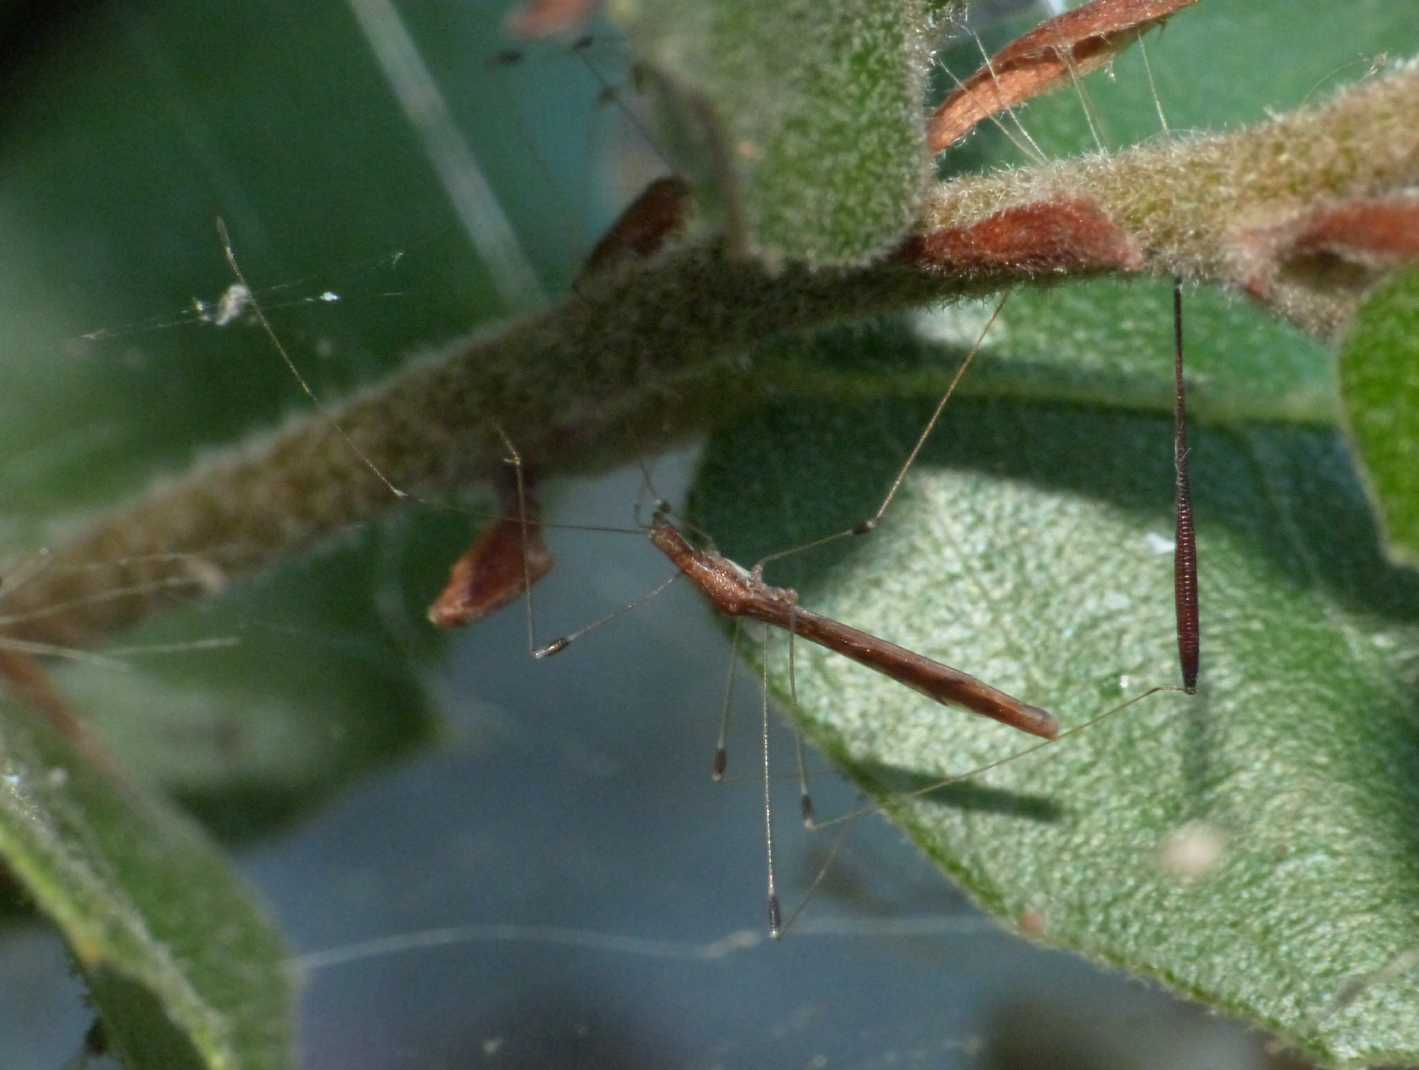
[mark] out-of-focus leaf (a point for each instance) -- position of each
(183, 968)
(1379, 382)
(113, 377)
(808, 117)
(256, 706)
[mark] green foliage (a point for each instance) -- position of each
(1030, 547)
(183, 968)
(1379, 382)
(806, 118)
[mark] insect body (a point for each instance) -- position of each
(737, 592)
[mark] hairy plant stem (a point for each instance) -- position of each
(656, 353)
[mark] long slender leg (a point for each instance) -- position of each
(530, 553)
(721, 748)
(864, 527)
(775, 913)
(805, 800)
(520, 483)
(1185, 542)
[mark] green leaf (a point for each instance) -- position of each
(1379, 381)
(1030, 547)
(812, 114)
(182, 966)
(1099, 343)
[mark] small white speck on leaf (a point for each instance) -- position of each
(1192, 851)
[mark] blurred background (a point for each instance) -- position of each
(481, 860)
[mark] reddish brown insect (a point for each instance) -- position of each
(737, 592)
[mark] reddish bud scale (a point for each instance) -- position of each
(1375, 232)
(1064, 48)
(505, 560)
(1045, 237)
(546, 18)
(642, 230)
